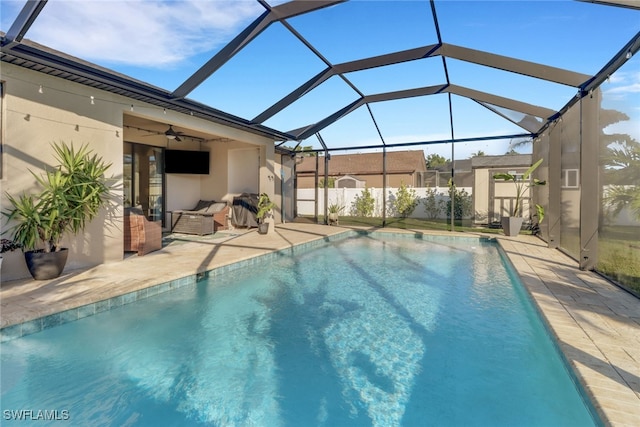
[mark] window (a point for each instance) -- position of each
(144, 179)
(570, 178)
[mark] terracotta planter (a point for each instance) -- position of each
(46, 265)
(511, 225)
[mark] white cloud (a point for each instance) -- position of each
(141, 33)
(622, 82)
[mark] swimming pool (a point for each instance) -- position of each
(377, 329)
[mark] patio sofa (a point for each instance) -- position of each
(207, 217)
(140, 234)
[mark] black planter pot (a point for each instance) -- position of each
(46, 265)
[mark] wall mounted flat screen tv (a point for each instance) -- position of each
(184, 161)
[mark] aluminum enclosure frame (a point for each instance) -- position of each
(15, 49)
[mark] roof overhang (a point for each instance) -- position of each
(33, 56)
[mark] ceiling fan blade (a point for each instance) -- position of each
(170, 133)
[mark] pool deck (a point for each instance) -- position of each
(596, 324)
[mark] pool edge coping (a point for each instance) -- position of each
(590, 401)
(577, 342)
(39, 324)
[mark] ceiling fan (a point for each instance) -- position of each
(172, 134)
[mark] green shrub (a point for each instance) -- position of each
(462, 203)
(331, 181)
(364, 204)
(433, 207)
(405, 202)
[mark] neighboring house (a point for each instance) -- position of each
(440, 175)
(365, 169)
(494, 198)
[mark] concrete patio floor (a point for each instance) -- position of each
(596, 325)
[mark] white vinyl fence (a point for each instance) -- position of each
(347, 196)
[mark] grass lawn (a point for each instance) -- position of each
(619, 256)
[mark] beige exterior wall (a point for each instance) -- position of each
(63, 112)
(507, 190)
(32, 121)
(284, 187)
(481, 181)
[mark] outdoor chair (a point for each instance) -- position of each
(207, 217)
(140, 234)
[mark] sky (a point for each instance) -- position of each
(164, 42)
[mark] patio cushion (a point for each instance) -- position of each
(216, 207)
(202, 206)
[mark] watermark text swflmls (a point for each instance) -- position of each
(35, 415)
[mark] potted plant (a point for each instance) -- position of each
(265, 205)
(71, 195)
(334, 210)
(8, 246)
(511, 224)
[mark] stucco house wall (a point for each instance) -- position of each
(39, 109)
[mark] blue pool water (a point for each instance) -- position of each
(376, 330)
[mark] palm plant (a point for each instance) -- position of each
(72, 195)
(522, 185)
(622, 162)
(264, 206)
(335, 208)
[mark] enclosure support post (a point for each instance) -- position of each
(555, 171)
(452, 185)
(590, 191)
(327, 157)
(315, 197)
(384, 186)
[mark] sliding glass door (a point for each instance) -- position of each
(144, 179)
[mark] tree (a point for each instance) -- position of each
(519, 143)
(620, 159)
(433, 207)
(331, 181)
(405, 202)
(435, 160)
(305, 151)
(622, 169)
(478, 153)
(462, 202)
(363, 204)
